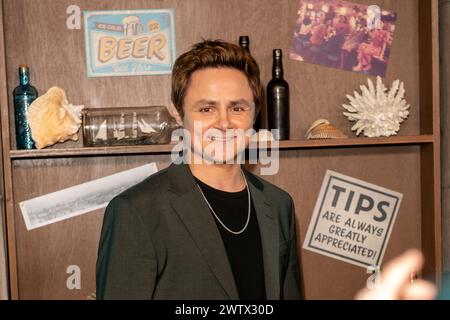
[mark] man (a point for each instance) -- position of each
(206, 229)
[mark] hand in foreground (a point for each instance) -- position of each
(396, 283)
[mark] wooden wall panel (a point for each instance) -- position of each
(431, 202)
(44, 254)
(36, 34)
(445, 125)
(301, 174)
(3, 108)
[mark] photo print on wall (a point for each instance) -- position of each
(344, 35)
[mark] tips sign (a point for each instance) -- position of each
(352, 220)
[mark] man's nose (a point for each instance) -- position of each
(224, 120)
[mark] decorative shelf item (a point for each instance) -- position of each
(377, 111)
(126, 126)
(322, 129)
(52, 119)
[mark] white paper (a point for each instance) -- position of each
(352, 220)
(83, 198)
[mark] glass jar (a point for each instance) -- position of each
(126, 126)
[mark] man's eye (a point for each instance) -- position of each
(206, 109)
(238, 108)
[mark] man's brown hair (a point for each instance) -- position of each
(214, 54)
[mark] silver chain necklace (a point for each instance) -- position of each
(220, 221)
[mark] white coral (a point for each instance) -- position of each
(378, 113)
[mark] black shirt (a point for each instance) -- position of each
(244, 250)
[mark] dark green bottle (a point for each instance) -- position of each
(244, 42)
(24, 95)
(278, 99)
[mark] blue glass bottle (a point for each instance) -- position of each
(24, 95)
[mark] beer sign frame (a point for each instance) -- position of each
(129, 42)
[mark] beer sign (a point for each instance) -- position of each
(131, 42)
(352, 220)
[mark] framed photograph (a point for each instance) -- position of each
(344, 35)
(129, 42)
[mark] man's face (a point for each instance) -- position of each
(218, 109)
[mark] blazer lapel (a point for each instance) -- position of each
(195, 215)
(268, 228)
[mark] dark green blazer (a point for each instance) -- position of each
(159, 241)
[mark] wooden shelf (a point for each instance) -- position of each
(356, 142)
(167, 148)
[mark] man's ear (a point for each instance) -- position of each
(174, 113)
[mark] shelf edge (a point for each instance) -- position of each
(167, 149)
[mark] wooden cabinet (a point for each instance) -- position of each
(35, 33)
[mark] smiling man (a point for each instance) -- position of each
(206, 228)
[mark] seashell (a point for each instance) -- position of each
(262, 135)
(92, 296)
(322, 129)
(52, 119)
(377, 111)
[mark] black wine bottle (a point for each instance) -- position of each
(278, 99)
(244, 42)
